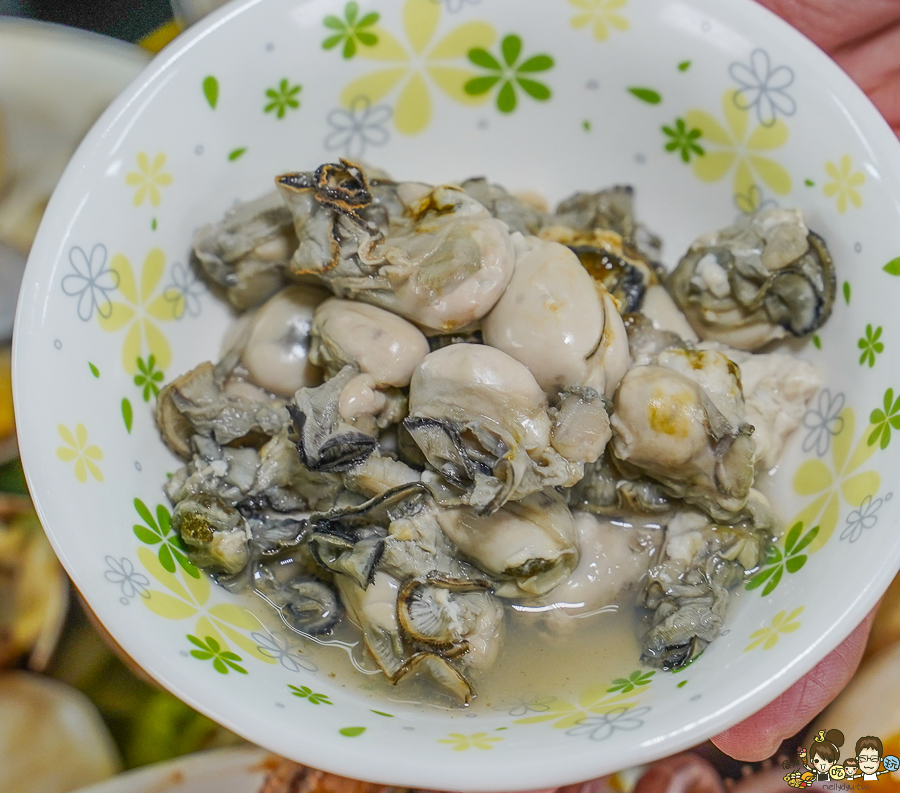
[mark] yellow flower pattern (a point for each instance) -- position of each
(594, 701)
(782, 622)
(148, 178)
(477, 740)
(143, 305)
(729, 147)
(77, 450)
(602, 15)
(413, 66)
(188, 597)
(844, 183)
(842, 479)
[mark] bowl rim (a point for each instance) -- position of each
(326, 753)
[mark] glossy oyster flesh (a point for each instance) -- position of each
(764, 278)
(446, 404)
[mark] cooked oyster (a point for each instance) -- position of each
(514, 408)
(329, 439)
(777, 389)
(248, 252)
(215, 534)
(558, 322)
(527, 546)
(431, 254)
(375, 341)
(687, 592)
(199, 403)
(614, 556)
(680, 421)
(604, 491)
(375, 611)
(761, 279)
(481, 420)
(277, 350)
(519, 215)
(454, 616)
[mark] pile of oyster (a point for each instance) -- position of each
(445, 408)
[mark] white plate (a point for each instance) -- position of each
(218, 771)
(218, 114)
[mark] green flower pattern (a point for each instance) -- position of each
(870, 346)
(883, 420)
(350, 30)
(307, 693)
(510, 73)
(223, 660)
(683, 139)
(633, 681)
(159, 532)
(777, 562)
(282, 98)
(148, 377)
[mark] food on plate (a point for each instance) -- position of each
(448, 413)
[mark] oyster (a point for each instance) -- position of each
(681, 421)
(457, 617)
(688, 591)
(375, 341)
(480, 418)
(272, 478)
(777, 389)
(215, 534)
(375, 611)
(763, 278)
(276, 353)
(329, 438)
(517, 214)
(558, 322)
(604, 491)
(528, 547)
(306, 604)
(431, 254)
(199, 403)
(248, 252)
(614, 556)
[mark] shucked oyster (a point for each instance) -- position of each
(199, 402)
(688, 591)
(276, 350)
(557, 321)
(420, 609)
(481, 420)
(565, 328)
(681, 421)
(376, 341)
(761, 279)
(528, 546)
(431, 254)
(248, 252)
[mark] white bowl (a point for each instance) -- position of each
(192, 135)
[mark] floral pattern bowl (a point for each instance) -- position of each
(733, 111)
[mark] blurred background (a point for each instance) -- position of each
(73, 709)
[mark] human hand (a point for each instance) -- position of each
(759, 736)
(863, 37)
